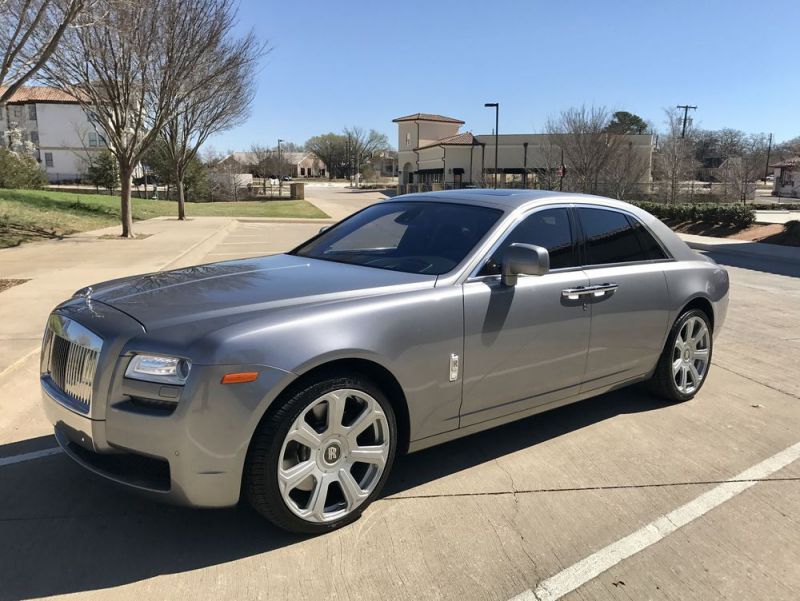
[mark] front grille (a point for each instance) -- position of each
(70, 364)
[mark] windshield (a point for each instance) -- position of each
(414, 237)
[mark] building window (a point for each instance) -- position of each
(35, 137)
(48, 159)
(96, 140)
(408, 139)
(32, 112)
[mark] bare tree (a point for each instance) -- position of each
(30, 31)
(131, 71)
(744, 166)
(625, 169)
(582, 133)
(674, 162)
(331, 149)
(226, 68)
(362, 145)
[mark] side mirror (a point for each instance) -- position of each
(324, 229)
(523, 259)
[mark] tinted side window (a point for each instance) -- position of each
(651, 248)
(609, 237)
(550, 229)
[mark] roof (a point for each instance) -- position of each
(428, 117)
(28, 94)
(465, 139)
(512, 198)
(793, 162)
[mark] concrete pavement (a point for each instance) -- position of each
(486, 517)
(777, 216)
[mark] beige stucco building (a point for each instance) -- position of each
(57, 126)
(434, 153)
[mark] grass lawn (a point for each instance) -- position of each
(27, 215)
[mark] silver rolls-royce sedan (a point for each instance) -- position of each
(294, 380)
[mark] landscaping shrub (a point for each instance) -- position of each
(19, 170)
(736, 215)
(792, 228)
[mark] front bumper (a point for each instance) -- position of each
(192, 456)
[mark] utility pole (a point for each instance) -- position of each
(280, 170)
(496, 106)
(769, 151)
(685, 108)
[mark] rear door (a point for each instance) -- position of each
(630, 307)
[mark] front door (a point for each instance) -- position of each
(525, 345)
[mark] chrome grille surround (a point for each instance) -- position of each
(69, 360)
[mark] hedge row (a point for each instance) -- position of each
(737, 215)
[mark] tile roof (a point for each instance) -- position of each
(39, 94)
(427, 117)
(793, 162)
(465, 139)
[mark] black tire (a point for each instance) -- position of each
(662, 383)
(260, 485)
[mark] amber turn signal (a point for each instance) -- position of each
(240, 377)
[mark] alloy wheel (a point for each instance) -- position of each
(690, 355)
(333, 456)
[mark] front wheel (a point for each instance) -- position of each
(322, 457)
(686, 359)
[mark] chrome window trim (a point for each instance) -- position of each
(512, 223)
(667, 254)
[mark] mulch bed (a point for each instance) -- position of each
(6, 284)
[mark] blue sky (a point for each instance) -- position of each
(335, 64)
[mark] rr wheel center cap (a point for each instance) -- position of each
(331, 454)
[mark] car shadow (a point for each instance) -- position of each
(789, 268)
(67, 531)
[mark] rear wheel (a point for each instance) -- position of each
(323, 456)
(686, 359)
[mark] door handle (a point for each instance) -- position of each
(597, 291)
(603, 289)
(576, 293)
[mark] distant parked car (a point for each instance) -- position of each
(296, 379)
(287, 178)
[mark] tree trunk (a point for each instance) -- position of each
(181, 197)
(126, 215)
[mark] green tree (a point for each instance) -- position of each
(19, 170)
(103, 171)
(624, 122)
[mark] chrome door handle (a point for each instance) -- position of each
(576, 293)
(595, 291)
(603, 289)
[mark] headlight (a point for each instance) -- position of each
(155, 368)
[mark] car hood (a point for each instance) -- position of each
(230, 288)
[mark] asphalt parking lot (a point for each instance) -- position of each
(693, 501)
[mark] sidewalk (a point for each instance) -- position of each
(57, 268)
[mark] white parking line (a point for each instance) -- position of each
(29, 456)
(595, 564)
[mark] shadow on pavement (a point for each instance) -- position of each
(66, 531)
(777, 267)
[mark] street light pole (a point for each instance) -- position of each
(496, 106)
(280, 170)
